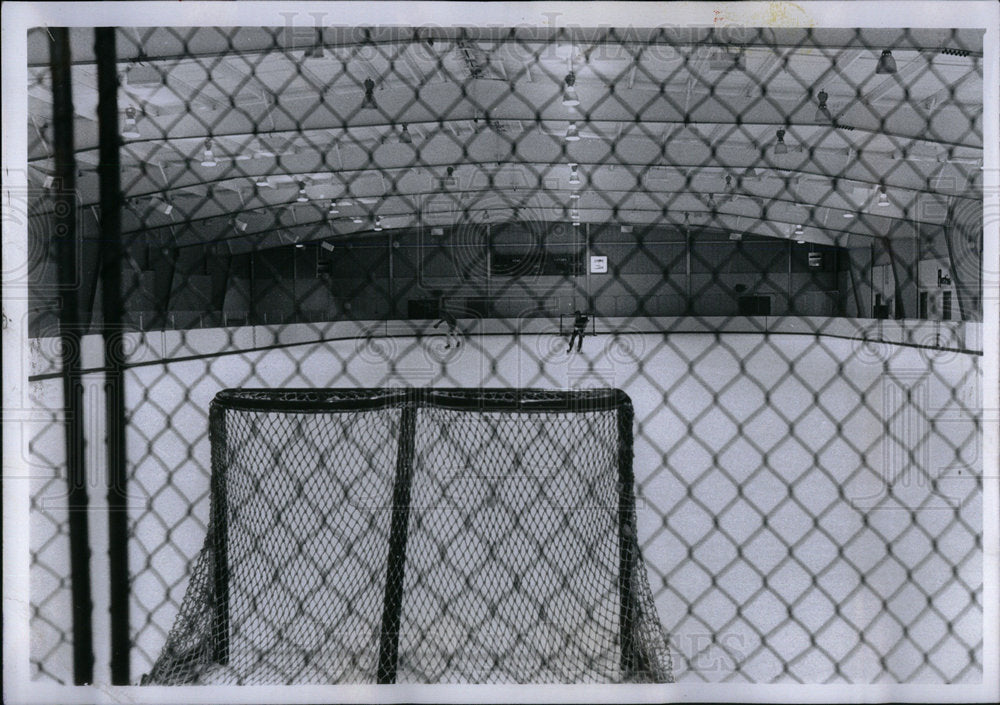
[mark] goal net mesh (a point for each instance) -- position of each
(433, 536)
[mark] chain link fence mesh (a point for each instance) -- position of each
(770, 239)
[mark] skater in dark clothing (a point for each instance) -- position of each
(580, 321)
(451, 331)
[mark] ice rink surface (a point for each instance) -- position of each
(810, 508)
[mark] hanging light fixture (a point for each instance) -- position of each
(574, 175)
(883, 197)
(131, 128)
(886, 63)
(749, 173)
(369, 100)
(240, 225)
(167, 207)
(377, 224)
(822, 112)
(333, 208)
(780, 147)
(209, 158)
(575, 215)
(570, 98)
(575, 195)
(262, 182)
(572, 133)
(303, 197)
(357, 220)
(847, 215)
(404, 136)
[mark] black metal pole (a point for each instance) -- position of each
(392, 604)
(70, 333)
(219, 527)
(627, 542)
(114, 349)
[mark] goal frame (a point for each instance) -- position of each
(409, 400)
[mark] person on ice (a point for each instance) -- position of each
(580, 321)
(445, 316)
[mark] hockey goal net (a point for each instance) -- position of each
(432, 536)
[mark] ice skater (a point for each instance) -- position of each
(580, 321)
(451, 332)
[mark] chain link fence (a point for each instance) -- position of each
(769, 239)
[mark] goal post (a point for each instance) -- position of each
(418, 535)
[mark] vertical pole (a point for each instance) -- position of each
(392, 605)
(791, 301)
(689, 304)
(70, 334)
(391, 285)
(111, 299)
(251, 297)
(627, 543)
(219, 527)
(491, 307)
(871, 276)
(591, 307)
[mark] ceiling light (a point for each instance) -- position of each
(404, 136)
(780, 147)
(369, 100)
(847, 215)
(333, 208)
(886, 64)
(574, 175)
(303, 196)
(209, 158)
(821, 110)
(357, 220)
(572, 134)
(377, 226)
(575, 196)
(729, 183)
(261, 182)
(299, 245)
(570, 98)
(167, 207)
(883, 197)
(131, 128)
(749, 173)
(801, 242)
(240, 225)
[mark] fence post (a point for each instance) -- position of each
(70, 332)
(114, 349)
